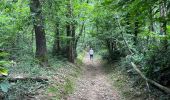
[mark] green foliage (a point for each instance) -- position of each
(24, 89)
(168, 29)
(158, 65)
(130, 30)
(61, 90)
(4, 54)
(4, 85)
(111, 28)
(122, 81)
(3, 71)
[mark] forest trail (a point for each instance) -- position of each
(93, 84)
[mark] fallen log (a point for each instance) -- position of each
(165, 89)
(37, 79)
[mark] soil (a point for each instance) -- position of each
(94, 83)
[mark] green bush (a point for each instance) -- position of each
(157, 66)
(4, 85)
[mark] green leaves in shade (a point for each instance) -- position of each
(3, 54)
(3, 71)
(4, 63)
(4, 86)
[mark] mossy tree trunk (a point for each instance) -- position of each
(41, 49)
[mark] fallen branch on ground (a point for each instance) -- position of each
(165, 89)
(37, 79)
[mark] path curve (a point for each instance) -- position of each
(93, 84)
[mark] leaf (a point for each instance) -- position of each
(3, 54)
(4, 86)
(3, 63)
(3, 71)
(1, 44)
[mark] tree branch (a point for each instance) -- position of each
(37, 79)
(165, 89)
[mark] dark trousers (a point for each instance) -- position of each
(91, 57)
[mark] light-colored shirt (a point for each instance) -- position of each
(91, 52)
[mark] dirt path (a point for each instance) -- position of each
(93, 84)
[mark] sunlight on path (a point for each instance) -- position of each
(93, 84)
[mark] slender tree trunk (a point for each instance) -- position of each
(128, 30)
(32, 42)
(110, 47)
(68, 39)
(136, 30)
(70, 33)
(58, 38)
(69, 43)
(163, 15)
(151, 27)
(56, 46)
(74, 41)
(41, 50)
(80, 34)
(78, 37)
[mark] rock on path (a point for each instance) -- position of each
(93, 84)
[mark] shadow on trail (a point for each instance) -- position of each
(107, 67)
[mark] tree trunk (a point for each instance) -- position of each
(110, 44)
(41, 50)
(69, 43)
(128, 29)
(70, 33)
(56, 46)
(74, 40)
(163, 29)
(136, 30)
(78, 37)
(151, 28)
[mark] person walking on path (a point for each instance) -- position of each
(91, 52)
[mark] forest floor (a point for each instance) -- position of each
(94, 83)
(85, 80)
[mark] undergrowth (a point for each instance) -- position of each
(131, 87)
(61, 77)
(24, 89)
(66, 83)
(122, 82)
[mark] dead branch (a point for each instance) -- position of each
(37, 79)
(165, 89)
